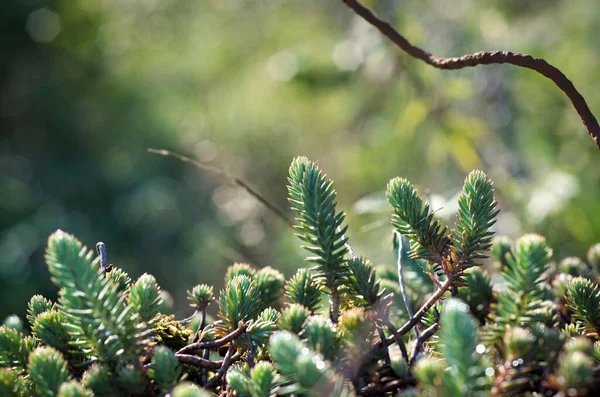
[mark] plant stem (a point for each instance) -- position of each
(226, 363)
(335, 303)
(421, 312)
(213, 344)
(421, 339)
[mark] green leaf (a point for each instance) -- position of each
(14, 322)
(239, 269)
(321, 336)
(240, 301)
(414, 219)
(37, 305)
(132, 380)
(73, 389)
(304, 289)
(14, 348)
(261, 329)
(313, 200)
(13, 385)
(270, 284)
(100, 380)
(583, 300)
(458, 342)
(99, 317)
(164, 370)
(363, 282)
(238, 381)
(477, 293)
(262, 380)
(285, 348)
(50, 328)
(145, 298)
(294, 318)
(200, 296)
(48, 369)
(476, 214)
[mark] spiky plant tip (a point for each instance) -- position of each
(48, 369)
(239, 302)
(37, 305)
(165, 369)
(294, 318)
(363, 282)
(414, 219)
(200, 296)
(477, 213)
(313, 199)
(304, 290)
(51, 328)
(321, 336)
(239, 269)
(270, 282)
(583, 300)
(145, 297)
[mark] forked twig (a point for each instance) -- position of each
(421, 339)
(539, 65)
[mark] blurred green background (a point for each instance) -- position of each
(86, 86)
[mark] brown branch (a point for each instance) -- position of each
(233, 180)
(421, 312)
(421, 339)
(213, 344)
(226, 363)
(198, 361)
(203, 362)
(539, 65)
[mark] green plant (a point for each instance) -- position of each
(107, 336)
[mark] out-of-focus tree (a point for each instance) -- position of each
(87, 86)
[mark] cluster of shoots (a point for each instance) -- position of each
(430, 324)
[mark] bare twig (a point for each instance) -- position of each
(233, 180)
(213, 344)
(204, 374)
(198, 361)
(539, 65)
(421, 339)
(421, 312)
(385, 345)
(396, 336)
(226, 363)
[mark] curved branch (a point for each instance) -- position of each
(213, 344)
(539, 65)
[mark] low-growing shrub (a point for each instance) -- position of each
(431, 324)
